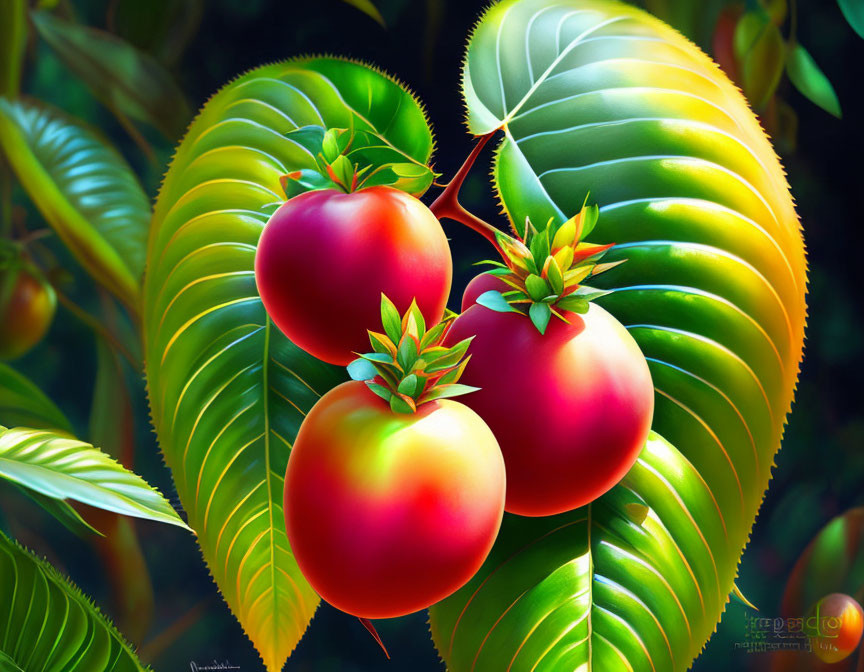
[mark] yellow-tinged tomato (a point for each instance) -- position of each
(388, 513)
(27, 305)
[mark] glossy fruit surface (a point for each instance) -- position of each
(839, 624)
(389, 513)
(325, 257)
(27, 305)
(571, 408)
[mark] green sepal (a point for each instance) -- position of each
(407, 353)
(300, 181)
(361, 369)
(411, 385)
(540, 313)
(400, 404)
(409, 360)
(447, 391)
(574, 304)
(380, 390)
(390, 319)
(494, 300)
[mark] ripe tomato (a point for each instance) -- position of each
(389, 513)
(27, 305)
(325, 257)
(838, 623)
(570, 408)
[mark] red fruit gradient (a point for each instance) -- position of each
(325, 257)
(839, 624)
(388, 513)
(571, 408)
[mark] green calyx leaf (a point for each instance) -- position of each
(349, 160)
(409, 365)
(545, 268)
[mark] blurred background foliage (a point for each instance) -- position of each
(136, 70)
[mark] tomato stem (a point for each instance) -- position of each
(447, 204)
(372, 631)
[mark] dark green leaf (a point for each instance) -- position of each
(362, 369)
(64, 512)
(853, 10)
(126, 80)
(494, 300)
(809, 79)
(23, 404)
(540, 314)
(69, 632)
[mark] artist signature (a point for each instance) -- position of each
(211, 666)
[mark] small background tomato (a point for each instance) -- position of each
(841, 624)
(570, 408)
(27, 306)
(325, 257)
(389, 513)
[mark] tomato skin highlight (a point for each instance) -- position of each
(840, 622)
(389, 513)
(571, 409)
(27, 307)
(325, 257)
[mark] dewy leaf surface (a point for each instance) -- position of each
(598, 97)
(227, 390)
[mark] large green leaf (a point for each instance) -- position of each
(597, 96)
(227, 390)
(128, 81)
(49, 625)
(83, 188)
(62, 468)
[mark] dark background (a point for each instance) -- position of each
(820, 469)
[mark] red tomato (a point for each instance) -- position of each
(838, 622)
(389, 513)
(27, 305)
(325, 257)
(571, 409)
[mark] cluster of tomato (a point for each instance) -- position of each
(395, 492)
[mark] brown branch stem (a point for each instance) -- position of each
(447, 204)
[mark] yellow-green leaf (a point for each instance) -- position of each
(227, 390)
